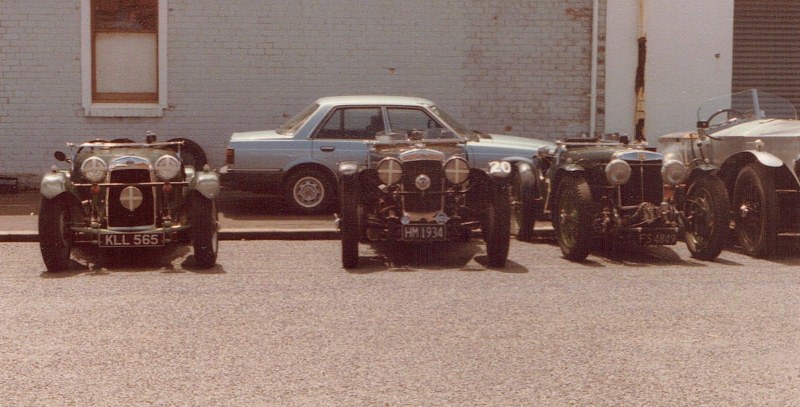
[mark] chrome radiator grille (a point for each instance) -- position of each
(118, 215)
(645, 184)
(419, 202)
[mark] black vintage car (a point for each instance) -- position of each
(418, 189)
(625, 193)
(123, 194)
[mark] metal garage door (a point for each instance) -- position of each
(766, 47)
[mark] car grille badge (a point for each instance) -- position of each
(130, 198)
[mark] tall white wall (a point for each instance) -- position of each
(689, 60)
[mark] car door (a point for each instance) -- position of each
(343, 135)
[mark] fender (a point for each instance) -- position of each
(766, 158)
(53, 184)
(206, 183)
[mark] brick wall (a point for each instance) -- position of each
(517, 67)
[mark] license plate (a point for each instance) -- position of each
(131, 239)
(658, 238)
(423, 232)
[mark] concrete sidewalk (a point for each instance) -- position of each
(242, 216)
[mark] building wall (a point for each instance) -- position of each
(515, 66)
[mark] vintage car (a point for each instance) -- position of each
(123, 194)
(423, 186)
(624, 194)
(300, 159)
(752, 140)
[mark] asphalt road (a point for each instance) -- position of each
(280, 323)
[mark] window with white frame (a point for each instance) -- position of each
(124, 60)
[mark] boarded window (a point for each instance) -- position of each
(125, 51)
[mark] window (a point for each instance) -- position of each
(353, 123)
(404, 120)
(124, 57)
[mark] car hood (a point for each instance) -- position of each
(258, 135)
(509, 145)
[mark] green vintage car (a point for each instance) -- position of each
(624, 193)
(123, 194)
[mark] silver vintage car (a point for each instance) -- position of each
(751, 140)
(300, 159)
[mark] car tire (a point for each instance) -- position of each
(523, 216)
(572, 218)
(204, 231)
(309, 191)
(495, 226)
(707, 217)
(191, 153)
(55, 237)
(755, 206)
(349, 221)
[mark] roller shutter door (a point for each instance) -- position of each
(766, 47)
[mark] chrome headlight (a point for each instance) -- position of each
(390, 170)
(456, 170)
(167, 167)
(618, 172)
(94, 169)
(673, 172)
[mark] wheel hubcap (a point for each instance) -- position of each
(308, 192)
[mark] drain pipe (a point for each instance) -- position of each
(593, 96)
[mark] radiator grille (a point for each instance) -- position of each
(119, 216)
(645, 184)
(419, 202)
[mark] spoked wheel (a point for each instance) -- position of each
(55, 236)
(495, 227)
(204, 231)
(573, 217)
(755, 211)
(522, 204)
(349, 221)
(707, 218)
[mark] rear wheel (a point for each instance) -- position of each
(573, 217)
(522, 203)
(755, 211)
(496, 225)
(707, 217)
(205, 239)
(348, 221)
(191, 153)
(55, 236)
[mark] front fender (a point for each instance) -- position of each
(53, 184)
(766, 158)
(207, 183)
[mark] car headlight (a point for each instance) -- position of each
(618, 172)
(390, 170)
(673, 172)
(167, 167)
(94, 169)
(456, 170)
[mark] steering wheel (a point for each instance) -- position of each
(732, 114)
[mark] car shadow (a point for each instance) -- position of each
(645, 256)
(787, 250)
(241, 205)
(404, 257)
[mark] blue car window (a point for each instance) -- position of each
(357, 123)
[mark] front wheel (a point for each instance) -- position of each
(55, 236)
(205, 229)
(707, 217)
(755, 211)
(572, 219)
(496, 225)
(522, 203)
(348, 221)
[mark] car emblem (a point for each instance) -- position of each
(130, 198)
(423, 182)
(642, 156)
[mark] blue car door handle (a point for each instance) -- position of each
(327, 148)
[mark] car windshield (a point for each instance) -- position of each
(751, 104)
(291, 126)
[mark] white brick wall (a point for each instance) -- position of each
(514, 66)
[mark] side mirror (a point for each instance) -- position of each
(60, 156)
